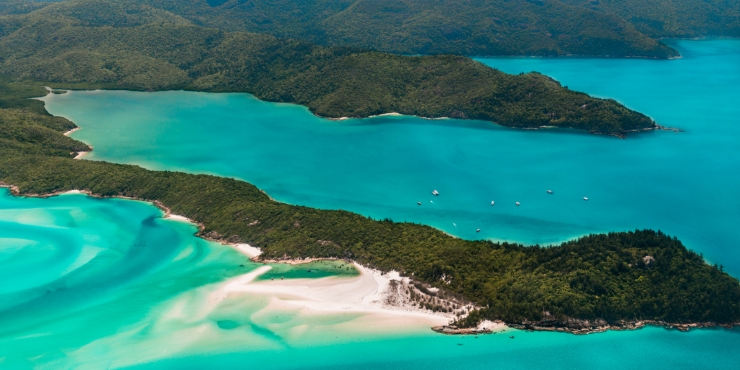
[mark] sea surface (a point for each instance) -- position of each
(117, 264)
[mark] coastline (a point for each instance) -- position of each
(380, 301)
(583, 327)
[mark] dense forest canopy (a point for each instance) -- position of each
(473, 27)
(674, 18)
(606, 276)
(468, 27)
(98, 43)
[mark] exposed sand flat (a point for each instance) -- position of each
(361, 295)
(80, 155)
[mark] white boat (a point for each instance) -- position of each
(419, 203)
(434, 192)
(549, 191)
(492, 202)
(517, 203)
(584, 198)
(477, 230)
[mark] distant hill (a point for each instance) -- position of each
(466, 27)
(674, 18)
(616, 28)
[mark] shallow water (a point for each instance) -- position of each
(106, 283)
(685, 184)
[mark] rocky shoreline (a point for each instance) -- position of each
(576, 326)
(581, 327)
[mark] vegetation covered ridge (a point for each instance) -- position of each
(611, 28)
(640, 275)
(133, 46)
(478, 27)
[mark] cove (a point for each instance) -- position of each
(107, 283)
(684, 184)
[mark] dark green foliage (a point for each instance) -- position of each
(57, 44)
(598, 276)
(20, 6)
(16, 95)
(467, 27)
(32, 133)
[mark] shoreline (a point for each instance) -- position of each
(584, 327)
(72, 130)
(623, 135)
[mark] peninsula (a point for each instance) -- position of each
(122, 45)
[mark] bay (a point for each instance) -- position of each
(102, 283)
(685, 184)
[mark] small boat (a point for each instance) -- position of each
(434, 192)
(549, 191)
(584, 198)
(477, 230)
(419, 203)
(512, 337)
(492, 202)
(517, 203)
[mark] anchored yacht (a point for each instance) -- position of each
(517, 203)
(549, 191)
(584, 198)
(492, 202)
(434, 192)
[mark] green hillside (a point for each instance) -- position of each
(472, 27)
(110, 45)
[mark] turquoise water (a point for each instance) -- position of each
(686, 184)
(102, 283)
(107, 283)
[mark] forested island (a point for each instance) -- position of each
(615, 28)
(615, 278)
(124, 45)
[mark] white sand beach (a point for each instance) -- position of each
(365, 294)
(178, 218)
